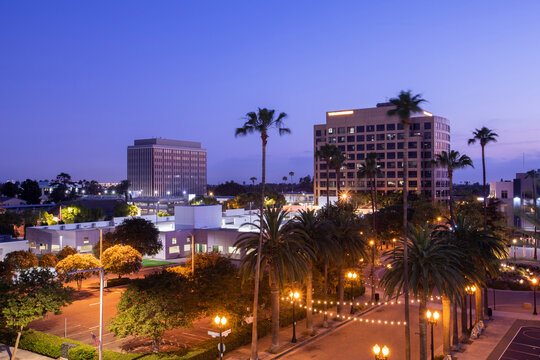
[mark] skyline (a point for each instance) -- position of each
(182, 72)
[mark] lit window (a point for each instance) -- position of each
(233, 250)
(187, 247)
(174, 241)
(174, 249)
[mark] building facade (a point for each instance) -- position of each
(163, 167)
(362, 131)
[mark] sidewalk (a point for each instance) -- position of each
(6, 352)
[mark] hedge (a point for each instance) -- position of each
(50, 345)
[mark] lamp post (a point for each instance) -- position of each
(352, 277)
(381, 354)
(220, 321)
(514, 242)
(432, 319)
(294, 297)
(470, 290)
(372, 272)
(534, 284)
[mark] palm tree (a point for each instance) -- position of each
(432, 263)
(253, 179)
(313, 230)
(369, 170)
(406, 104)
(451, 161)
(338, 161)
(261, 122)
(285, 183)
(284, 253)
(345, 233)
(291, 174)
(327, 152)
(532, 174)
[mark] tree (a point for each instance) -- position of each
(253, 179)
(59, 193)
(369, 170)
(121, 260)
(77, 262)
(532, 175)
(327, 152)
(140, 234)
(34, 293)
(150, 306)
(204, 200)
(283, 252)
(6, 272)
(261, 122)
(9, 222)
(338, 162)
(21, 260)
(93, 188)
(124, 209)
(77, 213)
(30, 191)
(229, 188)
(63, 177)
(291, 174)
(314, 233)
(284, 183)
(48, 261)
(433, 263)
(107, 241)
(10, 189)
(65, 252)
(406, 104)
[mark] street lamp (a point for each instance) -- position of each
(470, 290)
(372, 272)
(294, 297)
(220, 321)
(534, 284)
(432, 319)
(381, 354)
(352, 277)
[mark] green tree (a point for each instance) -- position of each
(151, 306)
(65, 252)
(34, 293)
(284, 252)
(9, 222)
(77, 262)
(433, 263)
(30, 191)
(10, 189)
(326, 153)
(229, 188)
(291, 174)
(140, 234)
(121, 260)
(63, 177)
(124, 209)
(21, 259)
(77, 213)
(261, 122)
(107, 241)
(48, 261)
(405, 105)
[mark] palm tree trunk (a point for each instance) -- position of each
(372, 272)
(464, 327)
(254, 337)
(405, 236)
(19, 333)
(341, 290)
(446, 324)
(478, 303)
(338, 173)
(328, 186)
(422, 326)
(455, 335)
(309, 298)
(484, 186)
(274, 291)
(535, 216)
(325, 318)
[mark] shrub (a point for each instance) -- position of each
(21, 259)
(48, 260)
(42, 343)
(117, 282)
(82, 352)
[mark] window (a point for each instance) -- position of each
(55, 247)
(341, 139)
(391, 174)
(173, 241)
(350, 175)
(370, 146)
(400, 155)
(413, 164)
(341, 147)
(400, 145)
(391, 155)
(427, 135)
(350, 147)
(359, 129)
(380, 165)
(350, 138)
(215, 248)
(86, 248)
(370, 128)
(391, 146)
(413, 155)
(359, 137)
(400, 126)
(360, 147)
(413, 145)
(341, 130)
(360, 156)
(426, 145)
(200, 248)
(380, 155)
(380, 137)
(86, 241)
(317, 132)
(380, 127)
(350, 130)
(174, 249)
(504, 194)
(413, 174)
(391, 136)
(391, 165)
(413, 183)
(390, 127)
(187, 247)
(330, 130)
(391, 183)
(322, 166)
(380, 183)
(370, 137)
(415, 126)
(427, 126)
(350, 165)
(331, 140)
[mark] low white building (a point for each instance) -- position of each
(9, 244)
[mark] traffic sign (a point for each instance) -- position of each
(221, 347)
(213, 333)
(227, 332)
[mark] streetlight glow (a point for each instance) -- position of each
(385, 350)
(376, 349)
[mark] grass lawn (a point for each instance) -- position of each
(151, 263)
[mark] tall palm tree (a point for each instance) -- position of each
(261, 122)
(532, 174)
(253, 179)
(284, 253)
(369, 170)
(314, 232)
(451, 161)
(284, 183)
(347, 237)
(406, 104)
(327, 152)
(291, 174)
(338, 161)
(432, 263)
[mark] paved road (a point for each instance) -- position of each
(525, 345)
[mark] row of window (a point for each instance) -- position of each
(379, 183)
(381, 165)
(381, 174)
(373, 128)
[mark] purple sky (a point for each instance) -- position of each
(80, 80)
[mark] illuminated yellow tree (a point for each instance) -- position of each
(121, 260)
(77, 262)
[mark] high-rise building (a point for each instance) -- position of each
(362, 131)
(163, 167)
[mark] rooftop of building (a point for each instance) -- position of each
(168, 142)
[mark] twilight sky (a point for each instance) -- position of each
(80, 80)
